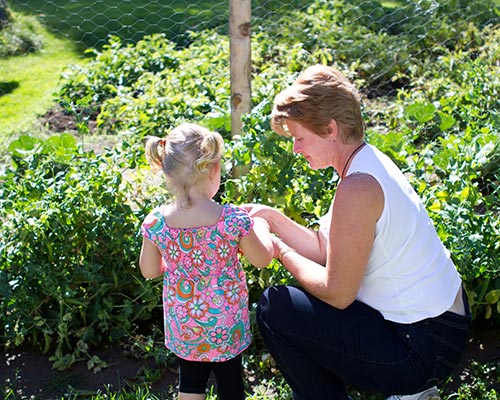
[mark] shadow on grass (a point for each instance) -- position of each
(8, 87)
(91, 22)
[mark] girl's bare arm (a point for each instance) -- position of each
(257, 246)
(150, 260)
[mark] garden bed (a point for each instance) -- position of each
(30, 375)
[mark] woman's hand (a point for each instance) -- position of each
(259, 210)
(309, 243)
(278, 245)
(281, 248)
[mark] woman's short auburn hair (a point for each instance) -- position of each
(320, 94)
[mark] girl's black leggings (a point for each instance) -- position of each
(228, 375)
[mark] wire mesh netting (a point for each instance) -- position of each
(429, 70)
(90, 22)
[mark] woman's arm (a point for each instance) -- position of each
(358, 204)
(150, 260)
(257, 246)
(309, 243)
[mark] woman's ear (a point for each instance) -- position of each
(333, 130)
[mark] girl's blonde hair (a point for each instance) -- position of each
(320, 94)
(185, 156)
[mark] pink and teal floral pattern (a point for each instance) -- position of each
(205, 295)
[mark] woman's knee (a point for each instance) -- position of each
(262, 306)
(274, 307)
(269, 300)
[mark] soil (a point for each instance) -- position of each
(58, 120)
(31, 374)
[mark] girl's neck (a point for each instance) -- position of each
(192, 202)
(203, 211)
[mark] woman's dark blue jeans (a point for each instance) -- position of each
(320, 349)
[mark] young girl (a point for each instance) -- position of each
(193, 242)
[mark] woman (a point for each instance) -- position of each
(380, 303)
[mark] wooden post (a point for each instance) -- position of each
(240, 61)
(240, 12)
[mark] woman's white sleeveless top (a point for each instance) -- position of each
(410, 275)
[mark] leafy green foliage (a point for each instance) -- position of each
(384, 46)
(69, 249)
(69, 241)
(147, 88)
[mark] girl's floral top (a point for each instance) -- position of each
(205, 295)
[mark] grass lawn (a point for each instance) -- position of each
(29, 82)
(89, 22)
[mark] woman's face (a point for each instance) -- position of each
(314, 148)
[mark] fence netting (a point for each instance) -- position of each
(90, 22)
(429, 70)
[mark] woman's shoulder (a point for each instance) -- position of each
(360, 195)
(359, 184)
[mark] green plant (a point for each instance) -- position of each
(68, 249)
(112, 71)
(20, 36)
(149, 87)
(480, 387)
(386, 45)
(70, 219)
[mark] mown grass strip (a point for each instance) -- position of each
(28, 84)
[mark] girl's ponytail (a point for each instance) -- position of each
(211, 147)
(186, 157)
(155, 152)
